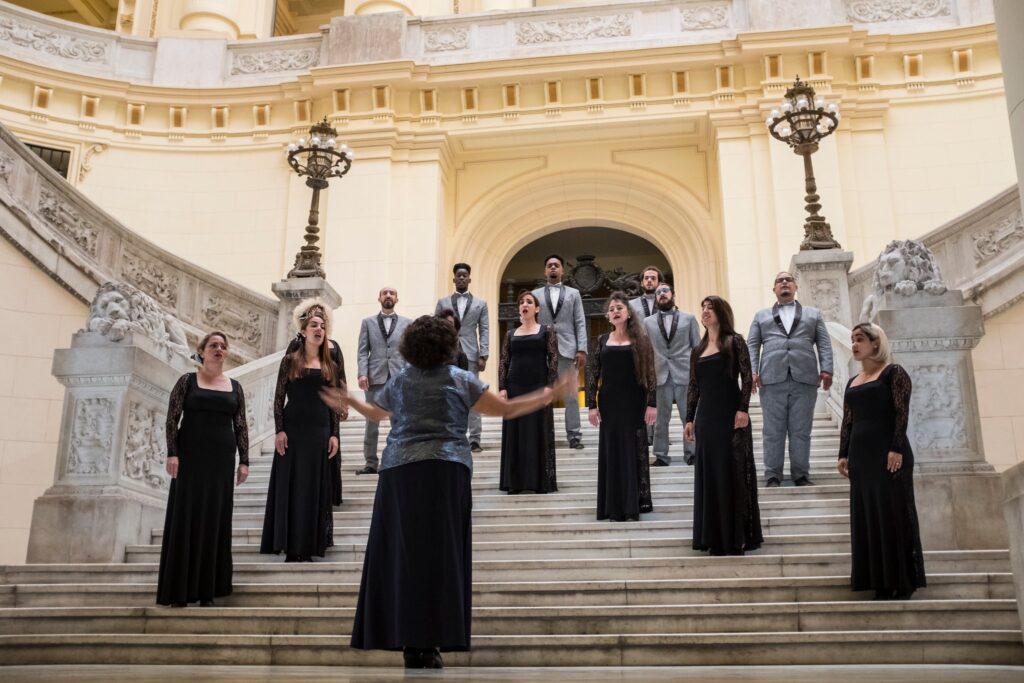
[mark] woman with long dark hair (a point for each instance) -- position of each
(304, 482)
(726, 516)
(621, 393)
(205, 428)
(529, 361)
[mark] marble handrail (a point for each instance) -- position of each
(259, 381)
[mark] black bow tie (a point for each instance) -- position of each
(389, 317)
(791, 303)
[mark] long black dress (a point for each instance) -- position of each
(726, 516)
(528, 362)
(195, 557)
(623, 466)
(885, 540)
(299, 518)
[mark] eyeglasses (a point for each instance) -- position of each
(783, 280)
(662, 290)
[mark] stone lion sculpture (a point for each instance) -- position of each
(905, 267)
(119, 308)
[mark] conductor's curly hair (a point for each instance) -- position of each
(428, 342)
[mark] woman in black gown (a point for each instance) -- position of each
(726, 516)
(621, 393)
(874, 453)
(205, 428)
(299, 518)
(529, 361)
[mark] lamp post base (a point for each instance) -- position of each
(307, 264)
(818, 235)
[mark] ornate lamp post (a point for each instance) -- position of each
(801, 120)
(317, 159)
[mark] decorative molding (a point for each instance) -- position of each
(994, 241)
(68, 221)
(86, 166)
(92, 381)
(936, 405)
(825, 295)
(234, 318)
(573, 28)
(705, 17)
(274, 61)
(150, 277)
(33, 37)
(145, 449)
(877, 11)
(446, 39)
(933, 344)
(92, 437)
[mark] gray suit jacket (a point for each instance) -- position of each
(637, 305)
(774, 354)
(672, 355)
(378, 356)
(568, 320)
(476, 326)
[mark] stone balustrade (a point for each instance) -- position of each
(259, 381)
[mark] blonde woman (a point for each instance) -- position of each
(304, 477)
(875, 454)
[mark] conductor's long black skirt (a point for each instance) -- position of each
(417, 583)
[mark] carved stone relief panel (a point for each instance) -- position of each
(151, 278)
(38, 39)
(250, 410)
(825, 295)
(274, 61)
(237, 320)
(6, 168)
(145, 449)
(994, 241)
(705, 17)
(92, 437)
(875, 11)
(574, 28)
(445, 39)
(68, 221)
(937, 420)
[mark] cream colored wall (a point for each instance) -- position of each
(999, 372)
(36, 317)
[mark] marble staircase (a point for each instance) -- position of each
(552, 586)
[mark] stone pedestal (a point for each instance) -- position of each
(293, 290)
(1013, 512)
(822, 277)
(958, 492)
(110, 485)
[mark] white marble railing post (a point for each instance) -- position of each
(1013, 512)
(293, 290)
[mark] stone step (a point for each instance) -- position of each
(272, 569)
(964, 586)
(990, 646)
(525, 621)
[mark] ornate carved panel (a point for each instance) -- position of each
(6, 168)
(151, 277)
(574, 28)
(937, 420)
(145, 449)
(705, 17)
(68, 221)
(875, 11)
(36, 38)
(445, 39)
(992, 242)
(825, 295)
(274, 61)
(238, 321)
(92, 437)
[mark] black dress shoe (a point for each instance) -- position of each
(689, 458)
(367, 469)
(575, 443)
(660, 463)
(475, 447)
(432, 659)
(413, 658)
(803, 481)
(773, 482)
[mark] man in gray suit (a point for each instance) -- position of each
(782, 341)
(674, 335)
(645, 305)
(562, 307)
(379, 359)
(473, 333)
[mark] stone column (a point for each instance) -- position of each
(958, 492)
(1009, 28)
(822, 281)
(293, 290)
(1013, 511)
(110, 486)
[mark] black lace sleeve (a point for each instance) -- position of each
(650, 382)
(742, 355)
(175, 407)
(900, 385)
(692, 391)
(279, 392)
(241, 426)
(593, 374)
(847, 426)
(504, 361)
(339, 360)
(552, 338)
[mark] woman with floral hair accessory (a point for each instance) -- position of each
(305, 477)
